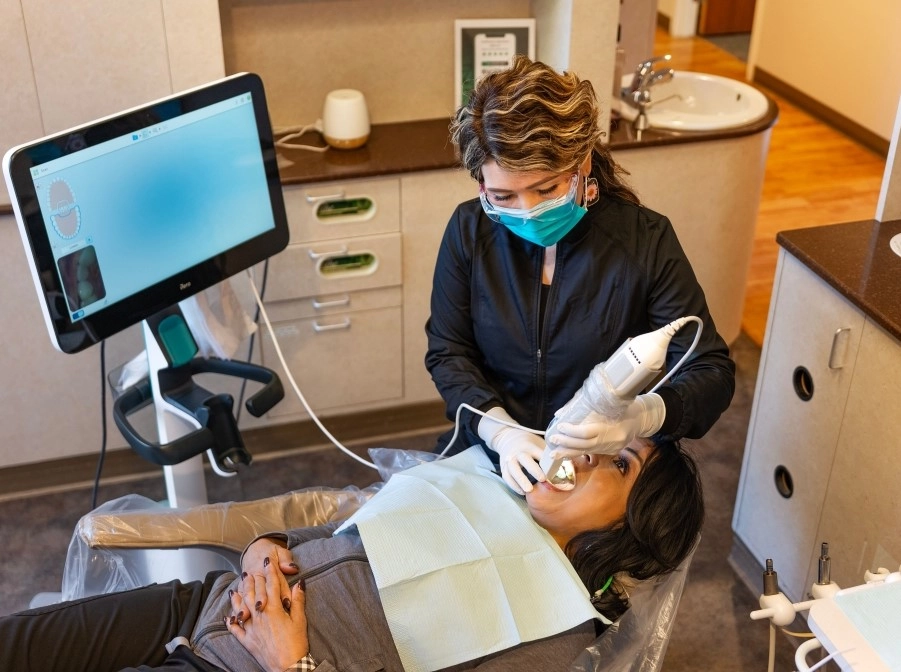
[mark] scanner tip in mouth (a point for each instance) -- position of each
(565, 478)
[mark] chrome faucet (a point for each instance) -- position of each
(638, 93)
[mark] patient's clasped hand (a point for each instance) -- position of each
(335, 598)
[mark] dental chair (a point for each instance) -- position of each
(111, 546)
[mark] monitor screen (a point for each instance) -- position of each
(127, 215)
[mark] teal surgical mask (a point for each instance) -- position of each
(544, 224)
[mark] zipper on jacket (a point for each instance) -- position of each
(542, 341)
(219, 626)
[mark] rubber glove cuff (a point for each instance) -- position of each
(518, 450)
(488, 428)
(652, 414)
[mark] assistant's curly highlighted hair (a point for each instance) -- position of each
(532, 118)
(664, 515)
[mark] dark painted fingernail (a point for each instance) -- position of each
(231, 593)
(293, 565)
(231, 620)
(266, 561)
(243, 575)
(303, 584)
(258, 606)
(286, 604)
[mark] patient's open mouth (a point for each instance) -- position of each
(565, 478)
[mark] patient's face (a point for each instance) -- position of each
(603, 484)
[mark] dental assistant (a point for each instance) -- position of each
(549, 271)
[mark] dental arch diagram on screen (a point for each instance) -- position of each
(77, 263)
(64, 211)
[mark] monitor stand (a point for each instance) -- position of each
(190, 421)
(185, 481)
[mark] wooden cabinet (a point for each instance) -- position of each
(820, 406)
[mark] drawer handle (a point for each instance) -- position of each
(331, 327)
(357, 263)
(839, 347)
(343, 301)
(314, 255)
(360, 208)
(328, 197)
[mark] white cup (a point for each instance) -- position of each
(345, 119)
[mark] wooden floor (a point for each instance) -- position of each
(814, 174)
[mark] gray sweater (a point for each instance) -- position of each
(346, 626)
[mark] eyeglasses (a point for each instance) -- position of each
(494, 212)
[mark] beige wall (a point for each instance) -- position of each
(638, 22)
(682, 15)
(400, 54)
(66, 63)
(845, 56)
(889, 205)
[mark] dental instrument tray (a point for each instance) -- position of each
(126, 215)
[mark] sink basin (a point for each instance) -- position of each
(693, 101)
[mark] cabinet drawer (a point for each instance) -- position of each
(335, 266)
(322, 305)
(339, 360)
(340, 210)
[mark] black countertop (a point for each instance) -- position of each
(855, 258)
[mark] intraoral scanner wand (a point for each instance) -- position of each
(611, 385)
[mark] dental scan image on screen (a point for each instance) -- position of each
(132, 213)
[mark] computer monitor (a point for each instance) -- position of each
(127, 215)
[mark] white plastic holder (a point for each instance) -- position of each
(778, 609)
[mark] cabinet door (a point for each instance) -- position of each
(861, 510)
(339, 361)
(19, 108)
(788, 433)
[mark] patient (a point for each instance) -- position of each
(632, 516)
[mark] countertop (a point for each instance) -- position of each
(855, 259)
(414, 146)
(425, 145)
(391, 149)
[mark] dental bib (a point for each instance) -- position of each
(450, 544)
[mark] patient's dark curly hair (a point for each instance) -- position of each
(664, 515)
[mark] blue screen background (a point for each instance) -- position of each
(166, 203)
